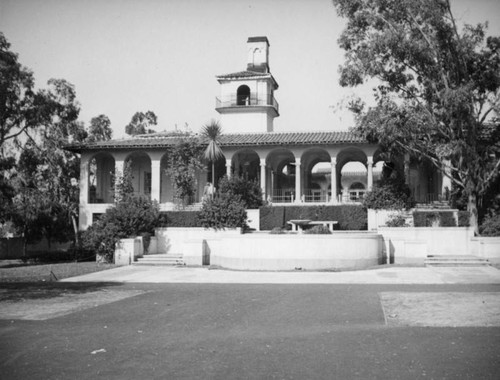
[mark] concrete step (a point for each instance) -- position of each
(167, 259)
(453, 261)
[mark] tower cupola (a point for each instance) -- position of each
(258, 54)
(247, 102)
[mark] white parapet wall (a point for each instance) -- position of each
(340, 250)
(412, 245)
(486, 248)
(189, 241)
(128, 250)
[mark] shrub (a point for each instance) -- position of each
(179, 219)
(350, 217)
(490, 225)
(131, 217)
(388, 196)
(318, 230)
(249, 191)
(425, 218)
(223, 211)
(463, 219)
(396, 220)
(447, 219)
(441, 218)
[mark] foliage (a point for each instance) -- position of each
(7, 191)
(438, 91)
(387, 196)
(350, 217)
(123, 183)
(99, 129)
(17, 95)
(439, 218)
(212, 132)
(463, 219)
(223, 211)
(490, 225)
(447, 219)
(141, 123)
(184, 161)
(179, 219)
(396, 220)
(390, 193)
(318, 230)
(130, 217)
(46, 203)
(249, 191)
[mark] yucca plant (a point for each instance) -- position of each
(213, 152)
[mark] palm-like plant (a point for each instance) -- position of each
(213, 152)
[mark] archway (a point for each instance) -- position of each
(281, 177)
(101, 178)
(140, 165)
(243, 95)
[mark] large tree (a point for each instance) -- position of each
(17, 96)
(99, 129)
(438, 92)
(141, 123)
(46, 203)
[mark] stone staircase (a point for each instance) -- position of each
(454, 261)
(165, 259)
(435, 205)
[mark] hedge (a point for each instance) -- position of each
(444, 218)
(350, 217)
(179, 219)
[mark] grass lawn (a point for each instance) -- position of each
(17, 271)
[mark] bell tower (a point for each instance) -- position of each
(246, 102)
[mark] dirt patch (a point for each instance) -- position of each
(41, 308)
(457, 309)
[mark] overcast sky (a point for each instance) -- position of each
(125, 56)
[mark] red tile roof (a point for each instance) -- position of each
(243, 74)
(161, 140)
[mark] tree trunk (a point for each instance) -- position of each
(75, 230)
(472, 208)
(213, 174)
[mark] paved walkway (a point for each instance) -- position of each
(385, 275)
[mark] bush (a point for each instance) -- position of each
(249, 191)
(463, 219)
(223, 211)
(388, 195)
(318, 230)
(490, 225)
(131, 217)
(447, 219)
(350, 217)
(440, 218)
(179, 219)
(396, 220)
(425, 218)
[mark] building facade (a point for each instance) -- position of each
(291, 167)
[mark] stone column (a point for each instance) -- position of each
(369, 166)
(84, 220)
(333, 181)
(228, 168)
(263, 177)
(155, 179)
(298, 189)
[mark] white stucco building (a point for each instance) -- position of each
(292, 168)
